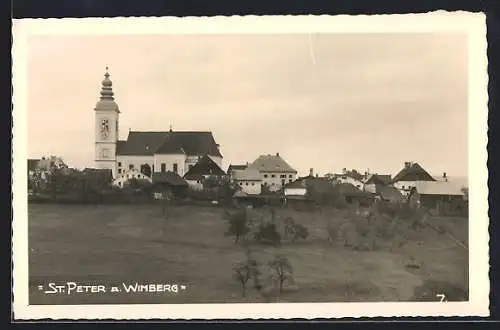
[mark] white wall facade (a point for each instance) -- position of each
(405, 186)
(105, 146)
(371, 188)
(129, 175)
(169, 161)
(275, 179)
(250, 187)
(295, 191)
(347, 179)
(123, 163)
(195, 184)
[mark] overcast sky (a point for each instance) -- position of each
(328, 101)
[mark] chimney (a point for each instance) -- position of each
(445, 178)
(317, 175)
(311, 171)
(278, 154)
(344, 170)
(407, 164)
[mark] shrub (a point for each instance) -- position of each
(237, 224)
(281, 271)
(267, 234)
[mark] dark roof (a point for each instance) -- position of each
(204, 166)
(32, 164)
(321, 185)
(413, 172)
(348, 189)
(148, 143)
(169, 178)
(379, 179)
(236, 167)
(272, 163)
(352, 173)
(389, 193)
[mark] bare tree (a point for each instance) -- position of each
(281, 271)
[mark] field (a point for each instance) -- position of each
(111, 245)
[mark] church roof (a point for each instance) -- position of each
(205, 166)
(169, 142)
(271, 163)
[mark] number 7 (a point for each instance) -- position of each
(440, 295)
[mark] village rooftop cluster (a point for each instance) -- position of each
(186, 160)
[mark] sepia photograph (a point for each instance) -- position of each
(229, 166)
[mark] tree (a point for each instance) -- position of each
(146, 170)
(237, 224)
(242, 274)
(281, 271)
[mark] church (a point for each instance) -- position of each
(145, 151)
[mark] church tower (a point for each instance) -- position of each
(106, 127)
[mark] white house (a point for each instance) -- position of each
(296, 188)
(374, 180)
(274, 171)
(146, 151)
(249, 180)
(410, 176)
(129, 175)
(352, 177)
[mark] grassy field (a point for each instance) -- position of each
(111, 245)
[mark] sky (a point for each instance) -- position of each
(323, 101)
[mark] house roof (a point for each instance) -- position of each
(204, 166)
(169, 178)
(236, 167)
(413, 172)
(352, 174)
(32, 164)
(438, 188)
(296, 184)
(149, 143)
(383, 179)
(249, 174)
(348, 189)
(388, 192)
(272, 163)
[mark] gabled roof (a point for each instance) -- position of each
(272, 163)
(389, 193)
(33, 164)
(297, 184)
(169, 178)
(413, 172)
(204, 166)
(348, 189)
(383, 179)
(248, 174)
(236, 167)
(352, 174)
(188, 142)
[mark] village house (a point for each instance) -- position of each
(438, 195)
(300, 188)
(147, 151)
(411, 174)
(375, 180)
(205, 168)
(352, 177)
(274, 171)
(168, 183)
(232, 170)
(132, 174)
(249, 180)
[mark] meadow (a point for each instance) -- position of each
(115, 244)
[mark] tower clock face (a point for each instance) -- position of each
(104, 129)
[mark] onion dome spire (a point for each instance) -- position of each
(107, 87)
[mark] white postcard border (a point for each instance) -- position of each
(461, 22)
